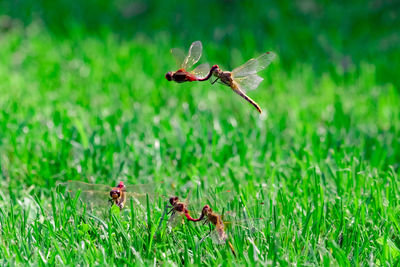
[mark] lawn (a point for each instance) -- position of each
(313, 180)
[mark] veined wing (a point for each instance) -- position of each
(78, 185)
(249, 82)
(254, 65)
(202, 70)
(218, 235)
(218, 200)
(193, 56)
(91, 194)
(178, 55)
(140, 192)
(175, 219)
(242, 220)
(139, 189)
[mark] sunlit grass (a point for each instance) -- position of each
(323, 158)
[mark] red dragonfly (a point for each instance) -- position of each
(245, 77)
(179, 211)
(96, 195)
(201, 73)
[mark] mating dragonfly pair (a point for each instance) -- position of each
(240, 80)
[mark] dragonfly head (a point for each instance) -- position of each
(214, 69)
(115, 193)
(173, 200)
(168, 76)
(206, 210)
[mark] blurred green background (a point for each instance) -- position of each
(327, 34)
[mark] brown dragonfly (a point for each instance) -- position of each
(98, 195)
(245, 77)
(201, 73)
(219, 234)
(221, 224)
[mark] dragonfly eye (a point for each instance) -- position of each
(173, 200)
(114, 194)
(168, 76)
(206, 209)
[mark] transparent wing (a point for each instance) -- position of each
(202, 70)
(242, 220)
(249, 82)
(218, 235)
(175, 219)
(78, 185)
(219, 200)
(194, 55)
(179, 56)
(140, 192)
(254, 65)
(93, 195)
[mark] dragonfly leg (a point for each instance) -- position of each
(171, 210)
(162, 217)
(202, 240)
(215, 81)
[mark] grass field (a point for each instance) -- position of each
(318, 171)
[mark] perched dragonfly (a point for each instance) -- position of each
(245, 77)
(201, 73)
(96, 195)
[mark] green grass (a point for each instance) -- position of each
(323, 157)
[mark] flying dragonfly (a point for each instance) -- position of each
(200, 73)
(245, 77)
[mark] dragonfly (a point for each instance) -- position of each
(98, 195)
(179, 211)
(219, 235)
(245, 77)
(200, 73)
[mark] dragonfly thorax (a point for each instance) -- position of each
(180, 207)
(224, 76)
